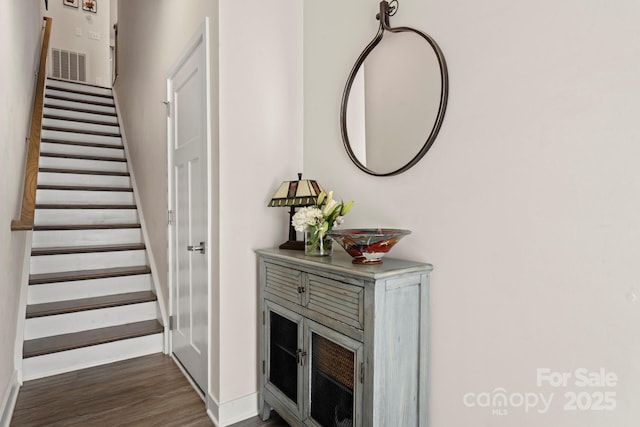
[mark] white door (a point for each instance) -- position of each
(189, 255)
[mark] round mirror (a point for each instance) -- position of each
(394, 101)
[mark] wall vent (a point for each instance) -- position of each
(69, 65)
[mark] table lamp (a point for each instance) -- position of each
(303, 192)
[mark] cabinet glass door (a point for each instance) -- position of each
(283, 354)
(334, 375)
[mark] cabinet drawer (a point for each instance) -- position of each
(338, 300)
(283, 282)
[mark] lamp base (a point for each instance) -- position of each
(297, 245)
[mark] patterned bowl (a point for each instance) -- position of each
(368, 245)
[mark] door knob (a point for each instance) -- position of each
(200, 248)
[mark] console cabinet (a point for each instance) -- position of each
(342, 344)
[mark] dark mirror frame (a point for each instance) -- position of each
(385, 11)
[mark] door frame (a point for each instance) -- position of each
(200, 40)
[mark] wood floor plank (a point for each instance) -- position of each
(145, 391)
(57, 343)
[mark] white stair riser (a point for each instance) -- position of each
(80, 149)
(88, 261)
(89, 197)
(86, 357)
(80, 126)
(81, 137)
(77, 115)
(62, 291)
(85, 216)
(79, 105)
(47, 326)
(81, 164)
(53, 178)
(55, 238)
(80, 97)
(79, 87)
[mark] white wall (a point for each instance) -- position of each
(74, 29)
(257, 145)
(20, 36)
(527, 204)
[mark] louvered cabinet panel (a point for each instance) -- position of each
(284, 282)
(339, 300)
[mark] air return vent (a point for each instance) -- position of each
(69, 65)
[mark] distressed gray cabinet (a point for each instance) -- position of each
(342, 344)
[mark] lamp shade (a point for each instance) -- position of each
(303, 192)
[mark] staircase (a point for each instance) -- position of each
(91, 297)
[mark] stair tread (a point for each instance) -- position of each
(78, 110)
(83, 171)
(78, 92)
(70, 276)
(83, 157)
(82, 144)
(93, 303)
(79, 120)
(58, 343)
(83, 188)
(82, 101)
(60, 250)
(83, 131)
(84, 226)
(75, 83)
(82, 206)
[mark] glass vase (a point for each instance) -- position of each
(315, 245)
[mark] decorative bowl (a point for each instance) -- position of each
(368, 245)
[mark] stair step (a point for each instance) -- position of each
(85, 304)
(69, 276)
(83, 188)
(78, 109)
(82, 131)
(77, 91)
(81, 144)
(83, 157)
(50, 95)
(82, 206)
(83, 86)
(50, 238)
(82, 171)
(71, 215)
(69, 197)
(83, 227)
(83, 164)
(69, 135)
(86, 249)
(59, 343)
(82, 261)
(75, 149)
(78, 120)
(70, 124)
(59, 291)
(65, 114)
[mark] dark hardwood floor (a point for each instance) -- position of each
(146, 391)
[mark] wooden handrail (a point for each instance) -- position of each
(33, 151)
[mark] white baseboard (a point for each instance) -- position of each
(9, 400)
(233, 411)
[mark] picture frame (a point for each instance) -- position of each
(90, 6)
(70, 3)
